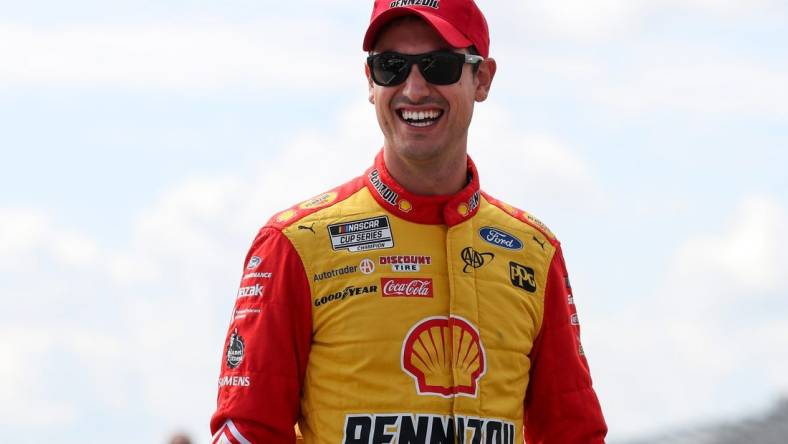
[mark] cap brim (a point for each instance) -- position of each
(446, 30)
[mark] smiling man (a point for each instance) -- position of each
(407, 305)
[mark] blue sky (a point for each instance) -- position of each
(144, 143)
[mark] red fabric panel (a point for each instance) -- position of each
(275, 326)
(561, 406)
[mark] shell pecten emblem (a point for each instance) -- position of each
(444, 356)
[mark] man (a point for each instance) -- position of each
(408, 306)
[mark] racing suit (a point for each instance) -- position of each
(371, 315)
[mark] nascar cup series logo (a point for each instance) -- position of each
(444, 356)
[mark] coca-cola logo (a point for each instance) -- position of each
(408, 288)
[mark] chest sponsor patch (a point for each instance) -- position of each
(500, 238)
(474, 259)
(522, 277)
(347, 292)
(405, 263)
(444, 356)
(362, 235)
(407, 288)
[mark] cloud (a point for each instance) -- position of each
(746, 257)
(22, 401)
(548, 172)
(195, 58)
(717, 308)
(605, 19)
(27, 234)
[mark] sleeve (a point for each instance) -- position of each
(267, 346)
(560, 404)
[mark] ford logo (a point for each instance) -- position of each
(500, 238)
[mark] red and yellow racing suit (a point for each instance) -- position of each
(371, 315)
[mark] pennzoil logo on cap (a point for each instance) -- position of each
(362, 235)
(434, 4)
(444, 356)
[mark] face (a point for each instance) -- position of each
(421, 121)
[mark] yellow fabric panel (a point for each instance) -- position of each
(357, 365)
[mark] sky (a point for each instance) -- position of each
(144, 143)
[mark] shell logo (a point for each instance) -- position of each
(463, 209)
(444, 356)
(285, 216)
(405, 206)
(509, 209)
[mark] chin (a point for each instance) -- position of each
(420, 152)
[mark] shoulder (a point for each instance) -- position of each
(521, 218)
(304, 210)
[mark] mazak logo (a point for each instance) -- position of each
(500, 238)
(405, 263)
(444, 356)
(250, 292)
(410, 288)
(235, 350)
(383, 190)
(522, 277)
(474, 259)
(253, 263)
(434, 4)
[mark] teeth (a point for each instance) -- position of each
(421, 115)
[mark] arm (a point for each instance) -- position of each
(265, 354)
(561, 407)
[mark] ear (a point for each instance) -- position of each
(484, 78)
(370, 85)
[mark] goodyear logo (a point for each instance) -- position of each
(427, 429)
(444, 356)
(347, 292)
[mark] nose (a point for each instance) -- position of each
(415, 88)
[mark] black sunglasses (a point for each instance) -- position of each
(438, 67)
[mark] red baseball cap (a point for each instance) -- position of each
(459, 22)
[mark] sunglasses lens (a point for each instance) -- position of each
(438, 68)
(442, 68)
(389, 69)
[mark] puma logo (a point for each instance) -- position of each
(303, 227)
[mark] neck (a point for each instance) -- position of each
(428, 177)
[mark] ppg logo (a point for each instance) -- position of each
(522, 277)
